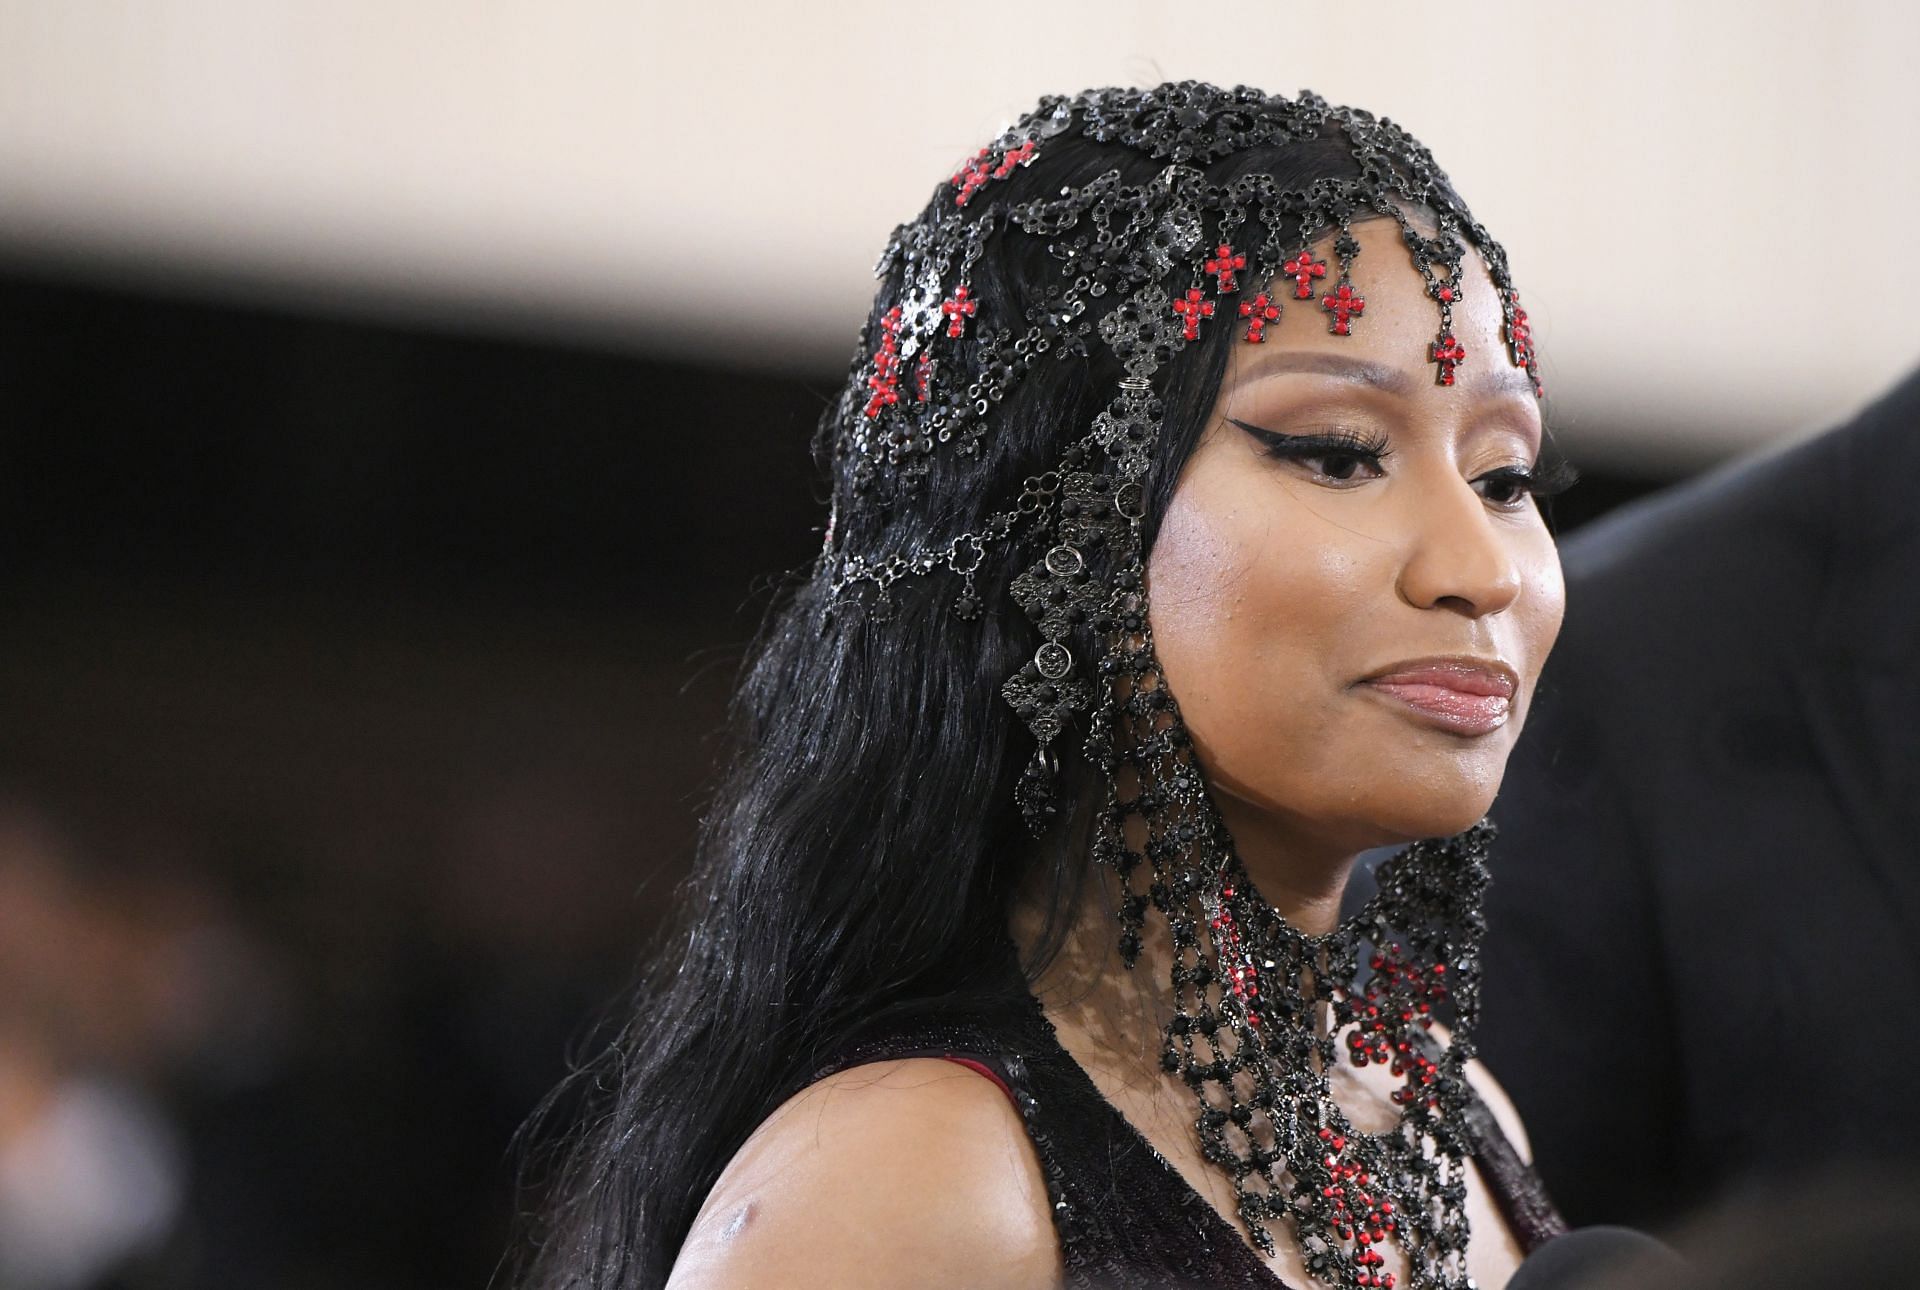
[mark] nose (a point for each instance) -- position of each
(1459, 556)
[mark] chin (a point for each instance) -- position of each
(1441, 815)
(1401, 800)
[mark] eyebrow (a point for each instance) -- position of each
(1379, 376)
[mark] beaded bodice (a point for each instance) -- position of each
(1124, 1215)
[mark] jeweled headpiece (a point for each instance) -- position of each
(1143, 269)
(1154, 263)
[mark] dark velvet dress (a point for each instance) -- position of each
(1125, 1216)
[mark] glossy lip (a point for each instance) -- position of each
(1467, 695)
(1461, 672)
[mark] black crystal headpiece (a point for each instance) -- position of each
(1141, 269)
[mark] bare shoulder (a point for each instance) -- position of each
(910, 1172)
(1504, 1111)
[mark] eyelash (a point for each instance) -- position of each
(1547, 481)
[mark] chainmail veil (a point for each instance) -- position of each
(1116, 279)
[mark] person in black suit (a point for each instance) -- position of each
(1704, 956)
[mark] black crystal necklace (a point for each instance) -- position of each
(1250, 989)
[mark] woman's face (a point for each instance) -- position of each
(1279, 583)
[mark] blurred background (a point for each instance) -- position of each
(405, 425)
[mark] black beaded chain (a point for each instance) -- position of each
(1247, 985)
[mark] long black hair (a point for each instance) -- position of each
(862, 847)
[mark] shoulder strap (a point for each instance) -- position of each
(970, 1051)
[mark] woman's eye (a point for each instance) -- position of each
(1515, 484)
(1506, 488)
(1341, 463)
(1341, 456)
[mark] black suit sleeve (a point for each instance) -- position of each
(1576, 1017)
(1706, 900)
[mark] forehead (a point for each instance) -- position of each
(1393, 324)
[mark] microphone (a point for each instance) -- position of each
(1598, 1257)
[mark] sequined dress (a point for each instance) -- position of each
(1124, 1215)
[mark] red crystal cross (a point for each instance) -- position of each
(1519, 334)
(959, 309)
(1258, 312)
(1240, 976)
(982, 166)
(1343, 302)
(1382, 1034)
(1356, 1215)
(1447, 353)
(1020, 156)
(1224, 262)
(1303, 268)
(885, 381)
(971, 176)
(1192, 308)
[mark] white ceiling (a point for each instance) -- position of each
(1709, 205)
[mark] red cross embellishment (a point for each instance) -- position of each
(1240, 975)
(884, 394)
(971, 177)
(885, 381)
(1258, 312)
(1192, 308)
(959, 309)
(1020, 156)
(1304, 269)
(1519, 334)
(1224, 262)
(1447, 353)
(1342, 303)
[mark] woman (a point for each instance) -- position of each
(1183, 547)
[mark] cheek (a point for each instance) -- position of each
(1546, 606)
(1247, 617)
(1200, 598)
(1552, 592)
(1195, 591)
